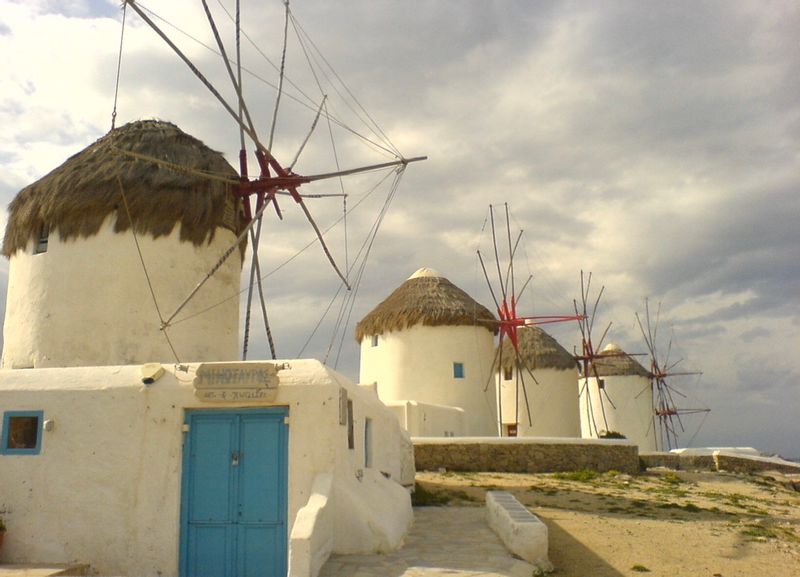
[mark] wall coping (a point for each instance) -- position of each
(518, 441)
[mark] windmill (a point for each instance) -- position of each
(667, 420)
(511, 324)
(610, 378)
(278, 180)
(587, 361)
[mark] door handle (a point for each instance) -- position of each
(235, 456)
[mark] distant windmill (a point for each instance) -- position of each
(666, 415)
(511, 325)
(588, 357)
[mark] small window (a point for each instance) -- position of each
(41, 240)
(343, 406)
(351, 439)
(374, 340)
(368, 442)
(508, 373)
(22, 433)
(458, 370)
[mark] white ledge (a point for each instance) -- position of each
(521, 531)
(518, 441)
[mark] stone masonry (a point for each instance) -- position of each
(523, 455)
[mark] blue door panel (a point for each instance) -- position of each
(211, 551)
(234, 499)
(260, 468)
(211, 481)
(259, 552)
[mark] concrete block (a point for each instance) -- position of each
(521, 531)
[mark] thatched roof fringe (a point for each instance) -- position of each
(618, 363)
(78, 196)
(428, 301)
(537, 350)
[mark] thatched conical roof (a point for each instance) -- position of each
(618, 364)
(426, 298)
(191, 187)
(537, 350)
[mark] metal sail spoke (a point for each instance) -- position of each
(504, 294)
(273, 178)
(665, 408)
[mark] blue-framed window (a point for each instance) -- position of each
(458, 370)
(22, 433)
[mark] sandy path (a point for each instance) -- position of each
(659, 523)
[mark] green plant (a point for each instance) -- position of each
(611, 435)
(458, 494)
(759, 532)
(582, 476)
(671, 478)
(422, 497)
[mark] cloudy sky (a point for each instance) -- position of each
(656, 144)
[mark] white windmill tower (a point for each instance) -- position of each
(552, 399)
(430, 342)
(616, 398)
(534, 376)
(76, 240)
(268, 183)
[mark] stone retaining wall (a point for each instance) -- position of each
(736, 464)
(718, 461)
(668, 460)
(521, 455)
(697, 463)
(678, 461)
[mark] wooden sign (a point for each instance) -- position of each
(236, 382)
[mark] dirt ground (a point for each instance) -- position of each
(669, 523)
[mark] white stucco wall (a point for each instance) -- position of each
(105, 489)
(86, 302)
(417, 364)
(631, 413)
(426, 420)
(553, 403)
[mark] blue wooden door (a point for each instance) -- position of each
(234, 494)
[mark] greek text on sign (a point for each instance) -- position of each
(221, 376)
(236, 395)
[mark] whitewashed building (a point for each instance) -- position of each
(143, 456)
(536, 387)
(428, 351)
(617, 397)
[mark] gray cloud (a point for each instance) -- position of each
(655, 144)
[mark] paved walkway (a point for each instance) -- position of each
(444, 541)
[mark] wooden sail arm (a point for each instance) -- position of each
(549, 319)
(665, 374)
(285, 180)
